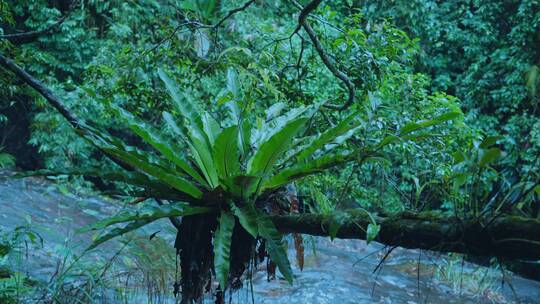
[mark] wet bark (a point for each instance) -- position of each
(506, 237)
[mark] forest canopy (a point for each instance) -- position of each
(410, 123)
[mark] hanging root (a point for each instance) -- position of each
(194, 246)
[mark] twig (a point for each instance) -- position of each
(379, 265)
(198, 25)
(234, 11)
(26, 37)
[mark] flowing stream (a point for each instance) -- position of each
(340, 272)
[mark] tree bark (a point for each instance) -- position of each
(506, 237)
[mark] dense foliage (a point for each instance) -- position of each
(220, 105)
(484, 53)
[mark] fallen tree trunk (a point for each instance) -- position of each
(506, 237)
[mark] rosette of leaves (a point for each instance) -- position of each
(221, 172)
(214, 169)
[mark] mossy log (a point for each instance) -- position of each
(506, 237)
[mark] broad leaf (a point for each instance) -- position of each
(275, 110)
(185, 108)
(147, 213)
(269, 152)
(489, 156)
(226, 154)
(174, 181)
(211, 127)
(267, 129)
(180, 131)
(414, 126)
(341, 128)
(311, 167)
(489, 141)
(129, 177)
(222, 248)
(203, 157)
(198, 133)
(232, 82)
(138, 160)
(151, 136)
(247, 216)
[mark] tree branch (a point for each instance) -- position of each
(328, 62)
(508, 237)
(27, 37)
(41, 89)
(59, 106)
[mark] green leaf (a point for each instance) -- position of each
(275, 110)
(489, 141)
(489, 156)
(210, 126)
(232, 82)
(247, 216)
(222, 248)
(459, 157)
(275, 246)
(137, 160)
(244, 138)
(372, 232)
(311, 167)
(147, 213)
(117, 232)
(414, 126)
(344, 126)
(390, 139)
(129, 177)
(185, 108)
(6, 160)
(199, 148)
(268, 153)
(151, 136)
(203, 157)
(156, 171)
(200, 135)
(171, 122)
(537, 190)
(460, 179)
(226, 154)
(266, 129)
